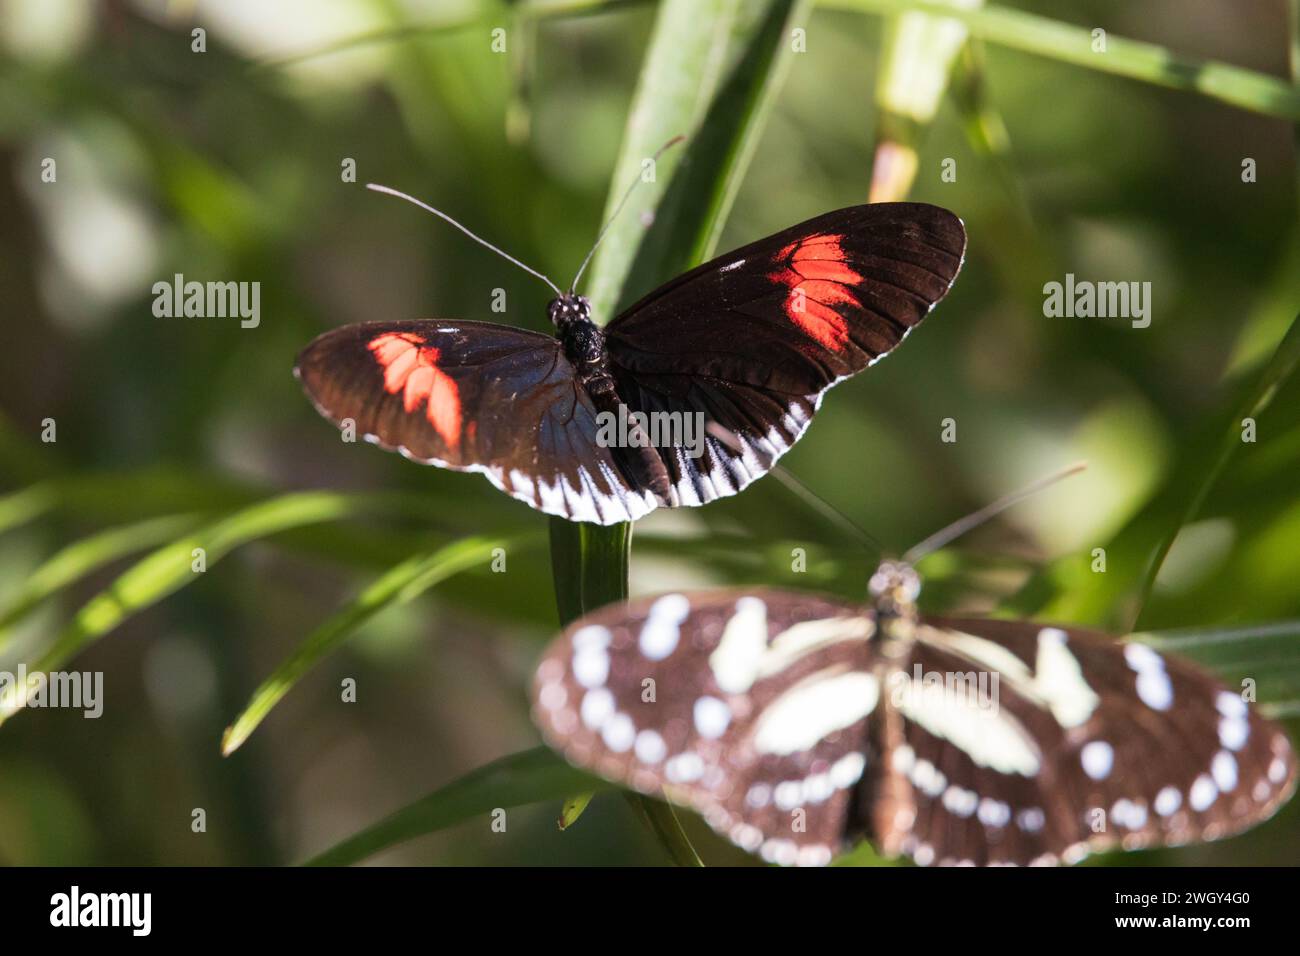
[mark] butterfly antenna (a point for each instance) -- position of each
(803, 492)
(481, 241)
(977, 518)
(618, 209)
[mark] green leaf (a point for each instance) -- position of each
(710, 73)
(1134, 59)
(21, 507)
(528, 777)
(168, 569)
(399, 585)
(82, 557)
(589, 564)
(573, 808)
(918, 54)
(1134, 557)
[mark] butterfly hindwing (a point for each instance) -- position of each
(793, 727)
(475, 396)
(752, 339)
(1088, 744)
(752, 708)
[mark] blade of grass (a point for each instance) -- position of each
(1134, 59)
(399, 585)
(1184, 638)
(170, 568)
(446, 23)
(573, 808)
(722, 128)
(532, 776)
(21, 507)
(1279, 369)
(690, 57)
(918, 54)
(80, 558)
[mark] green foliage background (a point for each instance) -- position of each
(329, 561)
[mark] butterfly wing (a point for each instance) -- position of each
(1085, 744)
(751, 708)
(754, 338)
(474, 396)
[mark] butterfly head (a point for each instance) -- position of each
(895, 587)
(569, 308)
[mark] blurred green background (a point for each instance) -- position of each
(226, 165)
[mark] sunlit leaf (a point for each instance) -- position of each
(172, 567)
(1134, 59)
(532, 776)
(401, 584)
(82, 557)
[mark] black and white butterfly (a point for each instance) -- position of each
(795, 724)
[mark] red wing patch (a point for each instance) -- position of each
(818, 276)
(411, 367)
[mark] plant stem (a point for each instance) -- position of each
(589, 564)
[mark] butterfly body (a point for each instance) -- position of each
(796, 724)
(584, 343)
(744, 347)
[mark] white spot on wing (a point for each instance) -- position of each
(994, 813)
(1167, 801)
(1234, 732)
(1224, 769)
(662, 629)
(1060, 680)
(991, 738)
(828, 701)
(735, 661)
(597, 707)
(1153, 685)
(712, 717)
(684, 768)
(1277, 770)
(847, 771)
(1056, 683)
(591, 666)
(619, 733)
(1097, 758)
(1230, 705)
(1031, 820)
(650, 747)
(1202, 794)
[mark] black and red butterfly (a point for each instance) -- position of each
(748, 344)
(795, 724)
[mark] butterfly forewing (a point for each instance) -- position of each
(474, 396)
(752, 340)
(753, 708)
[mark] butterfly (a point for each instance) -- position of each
(796, 724)
(737, 352)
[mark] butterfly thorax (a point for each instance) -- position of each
(895, 587)
(583, 341)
